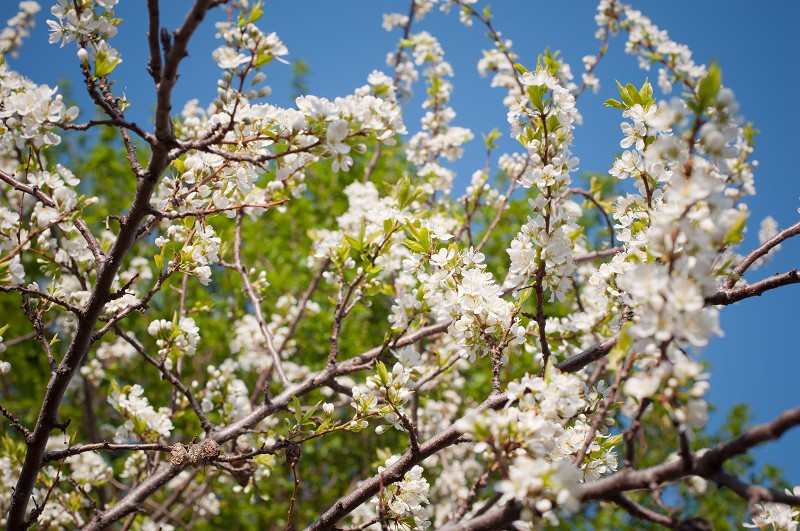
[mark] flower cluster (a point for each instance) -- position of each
(30, 112)
(776, 515)
(224, 393)
(543, 120)
(459, 290)
(18, 28)
(405, 502)
(90, 23)
(391, 388)
(248, 343)
(540, 433)
(678, 380)
(175, 338)
(142, 422)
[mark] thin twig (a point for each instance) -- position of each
(256, 302)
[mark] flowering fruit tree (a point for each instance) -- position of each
(284, 317)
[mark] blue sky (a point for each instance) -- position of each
(758, 360)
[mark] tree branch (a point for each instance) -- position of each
(493, 520)
(395, 472)
(768, 245)
(729, 296)
(82, 340)
(707, 465)
(138, 494)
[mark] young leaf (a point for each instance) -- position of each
(611, 102)
(708, 88)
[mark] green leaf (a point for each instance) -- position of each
(103, 65)
(750, 133)
(490, 139)
(535, 94)
(611, 102)
(308, 414)
(354, 243)
(297, 410)
(646, 93)
(413, 246)
(383, 374)
(625, 95)
(620, 350)
(633, 93)
(521, 69)
(708, 88)
(425, 238)
(324, 426)
(403, 192)
(736, 232)
(388, 226)
(256, 12)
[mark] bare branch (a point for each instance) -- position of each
(256, 302)
(171, 378)
(640, 511)
(493, 520)
(729, 296)
(768, 245)
(15, 423)
(591, 354)
(154, 20)
(707, 465)
(57, 455)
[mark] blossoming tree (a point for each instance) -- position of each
(285, 317)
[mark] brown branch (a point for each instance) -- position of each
(591, 354)
(729, 296)
(493, 520)
(111, 322)
(146, 183)
(595, 255)
(501, 209)
(207, 212)
(44, 296)
(171, 378)
(476, 488)
(753, 493)
(707, 465)
(609, 225)
(395, 472)
(406, 31)
(600, 416)
(768, 245)
(640, 511)
(137, 495)
(312, 287)
(15, 423)
(256, 302)
(154, 63)
(57, 455)
(632, 431)
(600, 53)
(723, 297)
(79, 224)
